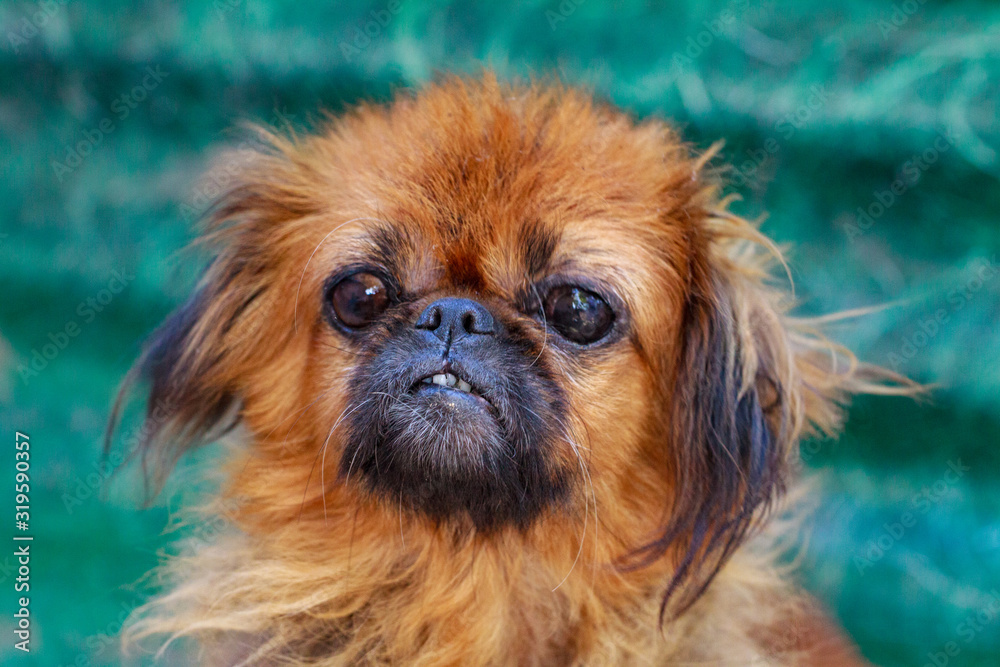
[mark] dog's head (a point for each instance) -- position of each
(495, 308)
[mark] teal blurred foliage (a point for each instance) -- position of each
(824, 108)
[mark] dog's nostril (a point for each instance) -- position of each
(432, 322)
(453, 317)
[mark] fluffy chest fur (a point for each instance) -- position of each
(351, 600)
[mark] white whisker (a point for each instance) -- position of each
(343, 415)
(586, 505)
(295, 310)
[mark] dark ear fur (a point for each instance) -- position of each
(729, 461)
(189, 402)
(195, 358)
(750, 382)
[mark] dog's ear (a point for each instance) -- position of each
(729, 438)
(187, 363)
(226, 332)
(749, 383)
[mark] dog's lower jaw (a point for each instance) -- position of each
(316, 594)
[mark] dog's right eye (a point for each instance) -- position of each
(358, 299)
(578, 314)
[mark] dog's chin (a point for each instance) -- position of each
(463, 441)
(447, 433)
(443, 453)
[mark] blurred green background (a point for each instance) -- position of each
(833, 116)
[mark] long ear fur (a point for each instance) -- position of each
(752, 382)
(195, 360)
(187, 402)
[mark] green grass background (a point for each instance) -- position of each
(888, 90)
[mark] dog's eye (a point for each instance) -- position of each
(578, 314)
(358, 299)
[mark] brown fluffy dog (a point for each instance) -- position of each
(515, 389)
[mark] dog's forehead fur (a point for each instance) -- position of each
(486, 188)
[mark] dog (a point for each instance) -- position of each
(511, 386)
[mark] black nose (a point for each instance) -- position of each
(452, 318)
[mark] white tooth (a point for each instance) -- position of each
(452, 380)
(427, 381)
(440, 379)
(464, 386)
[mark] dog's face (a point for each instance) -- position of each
(493, 308)
(493, 331)
(485, 335)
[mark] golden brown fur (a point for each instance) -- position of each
(651, 558)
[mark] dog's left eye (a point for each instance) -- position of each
(358, 299)
(578, 314)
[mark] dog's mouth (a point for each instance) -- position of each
(450, 382)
